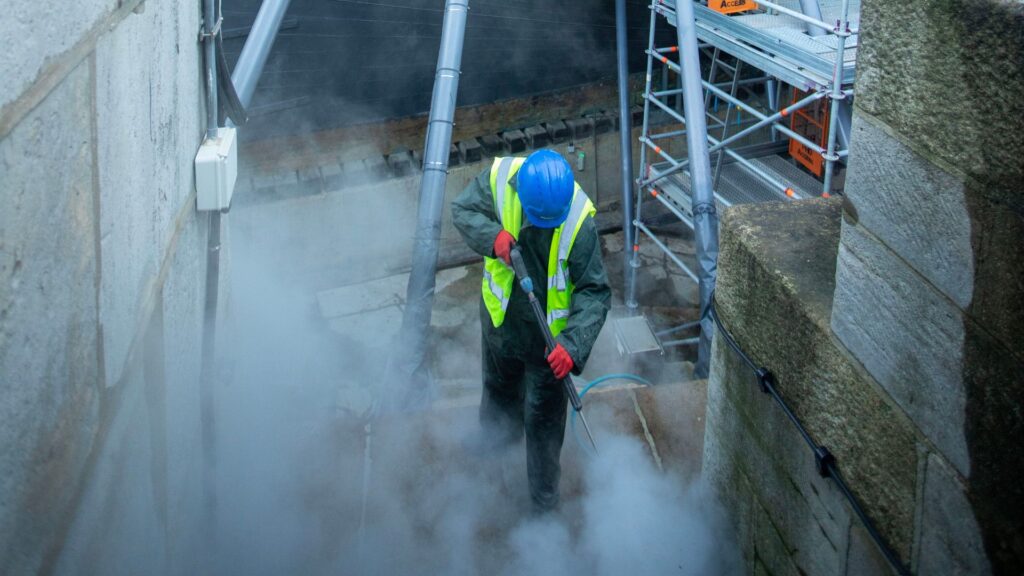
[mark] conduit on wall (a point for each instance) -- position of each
(625, 133)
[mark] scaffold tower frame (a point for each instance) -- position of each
(809, 45)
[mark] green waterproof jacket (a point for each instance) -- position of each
(520, 336)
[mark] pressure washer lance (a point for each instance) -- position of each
(526, 283)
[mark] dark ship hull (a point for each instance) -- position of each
(344, 62)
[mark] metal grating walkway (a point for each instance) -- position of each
(739, 186)
(778, 43)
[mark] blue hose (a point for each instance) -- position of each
(597, 382)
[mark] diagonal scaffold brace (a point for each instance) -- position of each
(526, 283)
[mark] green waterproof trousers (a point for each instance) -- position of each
(520, 395)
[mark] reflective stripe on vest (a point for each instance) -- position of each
(495, 289)
(504, 167)
(559, 296)
(498, 277)
(576, 212)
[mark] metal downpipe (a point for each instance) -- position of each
(705, 217)
(634, 260)
(257, 47)
(406, 367)
(210, 62)
(625, 136)
(213, 240)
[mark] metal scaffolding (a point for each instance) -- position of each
(748, 57)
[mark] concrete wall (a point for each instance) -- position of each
(102, 278)
(895, 334)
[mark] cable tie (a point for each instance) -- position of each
(203, 34)
(824, 461)
(765, 379)
(704, 208)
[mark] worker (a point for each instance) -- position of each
(559, 243)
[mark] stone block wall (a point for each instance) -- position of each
(893, 329)
(102, 279)
(930, 276)
(776, 274)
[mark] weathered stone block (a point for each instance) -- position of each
(49, 321)
(721, 465)
(994, 424)
(537, 136)
(772, 551)
(333, 175)
(47, 31)
(375, 166)
(515, 140)
(400, 162)
(864, 557)
(912, 205)
(776, 277)
(470, 151)
(274, 187)
(602, 123)
(960, 99)
(493, 145)
(453, 155)
(907, 335)
(950, 537)
(557, 131)
(807, 512)
(355, 173)
(636, 114)
(145, 168)
(580, 128)
(964, 244)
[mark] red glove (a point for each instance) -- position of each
(503, 243)
(560, 362)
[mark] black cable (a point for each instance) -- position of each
(824, 460)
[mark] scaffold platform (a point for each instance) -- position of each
(778, 43)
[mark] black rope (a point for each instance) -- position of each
(824, 460)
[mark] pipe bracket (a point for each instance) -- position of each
(704, 208)
(203, 34)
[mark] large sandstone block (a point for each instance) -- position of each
(45, 32)
(907, 335)
(954, 378)
(915, 207)
(966, 245)
(950, 538)
(145, 147)
(948, 75)
(49, 402)
(799, 521)
(776, 278)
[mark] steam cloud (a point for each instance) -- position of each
(291, 469)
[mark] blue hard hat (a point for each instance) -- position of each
(545, 185)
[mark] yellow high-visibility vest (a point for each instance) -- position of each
(499, 277)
